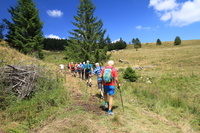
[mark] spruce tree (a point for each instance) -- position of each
(2, 27)
(137, 44)
(177, 41)
(25, 32)
(133, 41)
(87, 41)
(158, 42)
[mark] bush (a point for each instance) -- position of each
(130, 74)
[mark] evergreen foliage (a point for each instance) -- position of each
(133, 41)
(137, 43)
(158, 42)
(117, 45)
(2, 27)
(87, 41)
(130, 74)
(25, 32)
(54, 44)
(177, 41)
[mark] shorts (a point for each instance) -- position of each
(100, 85)
(109, 89)
(87, 75)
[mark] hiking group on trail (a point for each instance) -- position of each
(107, 79)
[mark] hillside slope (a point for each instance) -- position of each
(174, 74)
(141, 114)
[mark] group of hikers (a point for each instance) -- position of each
(107, 78)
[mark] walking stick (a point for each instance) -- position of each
(121, 98)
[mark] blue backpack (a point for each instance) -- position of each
(87, 67)
(107, 75)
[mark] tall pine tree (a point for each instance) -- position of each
(25, 32)
(87, 41)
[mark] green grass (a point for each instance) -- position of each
(175, 81)
(169, 104)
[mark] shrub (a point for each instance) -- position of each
(130, 74)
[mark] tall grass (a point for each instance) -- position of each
(174, 90)
(49, 95)
(44, 102)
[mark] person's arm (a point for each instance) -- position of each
(101, 74)
(115, 75)
(117, 81)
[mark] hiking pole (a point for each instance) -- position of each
(121, 98)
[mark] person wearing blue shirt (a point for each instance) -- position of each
(97, 72)
(88, 69)
(79, 69)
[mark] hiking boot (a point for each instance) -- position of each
(90, 84)
(110, 113)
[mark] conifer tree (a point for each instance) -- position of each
(158, 42)
(25, 32)
(87, 41)
(177, 41)
(133, 41)
(2, 27)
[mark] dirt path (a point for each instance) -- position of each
(92, 102)
(85, 99)
(85, 115)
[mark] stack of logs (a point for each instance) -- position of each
(19, 79)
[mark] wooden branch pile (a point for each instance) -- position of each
(20, 79)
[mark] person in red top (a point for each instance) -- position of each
(72, 68)
(109, 88)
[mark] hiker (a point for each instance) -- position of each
(68, 66)
(97, 72)
(110, 78)
(79, 68)
(62, 67)
(72, 68)
(76, 68)
(83, 69)
(88, 71)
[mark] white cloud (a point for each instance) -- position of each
(163, 5)
(54, 13)
(179, 14)
(52, 36)
(139, 27)
(116, 41)
(188, 14)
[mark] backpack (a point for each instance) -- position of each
(107, 75)
(87, 67)
(72, 66)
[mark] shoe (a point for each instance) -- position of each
(90, 84)
(110, 112)
(105, 105)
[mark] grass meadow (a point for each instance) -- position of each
(165, 98)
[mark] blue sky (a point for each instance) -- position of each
(147, 20)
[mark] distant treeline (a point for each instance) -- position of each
(55, 44)
(117, 45)
(59, 44)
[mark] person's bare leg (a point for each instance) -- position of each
(110, 102)
(105, 97)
